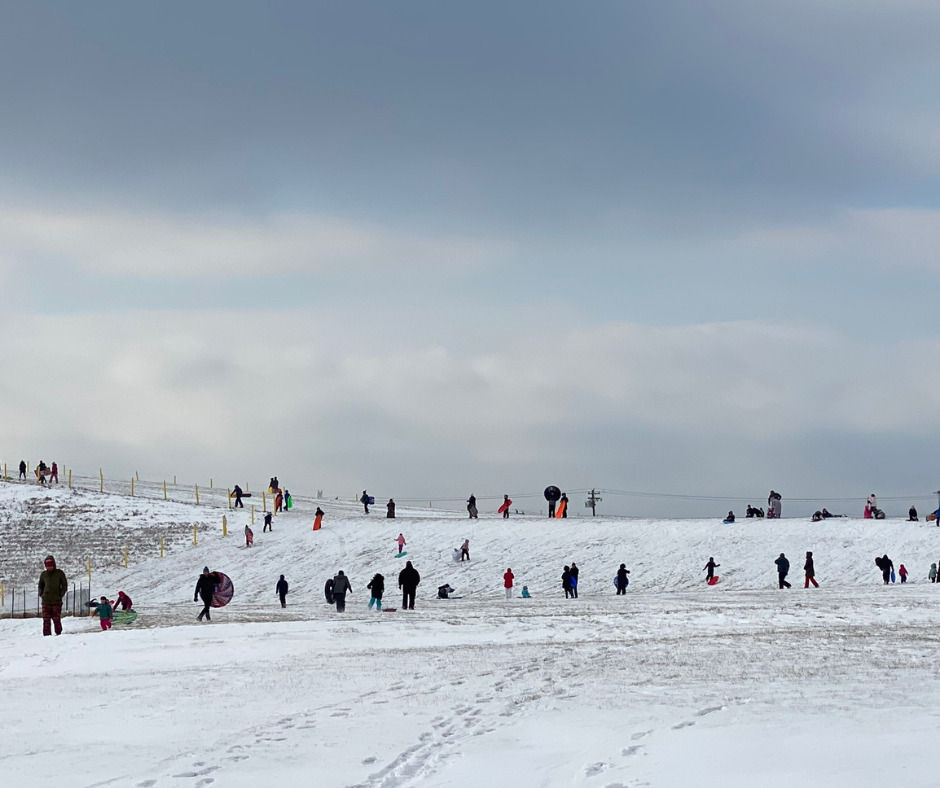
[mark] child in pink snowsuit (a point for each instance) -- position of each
(903, 572)
(401, 543)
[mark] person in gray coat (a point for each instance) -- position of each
(341, 586)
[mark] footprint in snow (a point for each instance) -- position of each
(640, 735)
(709, 710)
(371, 759)
(596, 768)
(633, 749)
(682, 725)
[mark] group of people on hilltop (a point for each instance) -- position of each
(368, 500)
(43, 472)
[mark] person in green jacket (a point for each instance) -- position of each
(52, 587)
(104, 611)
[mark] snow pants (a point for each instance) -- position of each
(377, 602)
(105, 624)
(810, 579)
(283, 600)
(408, 598)
(51, 616)
(464, 554)
(207, 603)
(340, 600)
(238, 503)
(508, 593)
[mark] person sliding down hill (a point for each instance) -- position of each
(729, 518)
(622, 580)
(783, 569)
(710, 568)
(810, 571)
(444, 591)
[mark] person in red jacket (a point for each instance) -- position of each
(507, 582)
(123, 601)
(54, 473)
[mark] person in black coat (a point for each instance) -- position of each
(574, 574)
(408, 580)
(710, 568)
(268, 522)
(912, 515)
(205, 588)
(564, 499)
(281, 590)
(377, 587)
(237, 492)
(472, 507)
(390, 509)
(886, 565)
(566, 582)
(622, 580)
(783, 569)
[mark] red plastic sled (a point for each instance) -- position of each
(504, 507)
(713, 581)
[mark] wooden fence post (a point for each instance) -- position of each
(70, 478)
(125, 558)
(101, 474)
(174, 480)
(264, 500)
(89, 573)
(164, 489)
(161, 547)
(195, 540)
(252, 514)
(224, 525)
(229, 499)
(197, 495)
(132, 486)
(210, 483)
(137, 474)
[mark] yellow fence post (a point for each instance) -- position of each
(197, 495)
(101, 474)
(210, 483)
(161, 547)
(224, 525)
(89, 571)
(5, 470)
(252, 514)
(264, 500)
(70, 478)
(229, 499)
(195, 540)
(164, 489)
(174, 480)
(132, 486)
(137, 475)
(3, 594)
(125, 558)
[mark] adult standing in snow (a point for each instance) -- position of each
(23, 470)
(205, 588)
(566, 581)
(408, 580)
(341, 586)
(377, 587)
(574, 579)
(622, 580)
(278, 501)
(508, 577)
(783, 569)
(505, 507)
(390, 509)
(364, 500)
(268, 522)
(465, 550)
(52, 587)
(564, 500)
(281, 590)
(886, 565)
(810, 570)
(237, 492)
(472, 507)
(710, 568)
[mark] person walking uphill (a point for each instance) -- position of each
(408, 580)
(886, 565)
(281, 590)
(205, 588)
(783, 569)
(364, 500)
(341, 586)
(377, 587)
(710, 568)
(810, 571)
(238, 493)
(52, 587)
(508, 577)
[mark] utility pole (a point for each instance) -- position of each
(594, 499)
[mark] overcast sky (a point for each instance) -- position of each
(433, 249)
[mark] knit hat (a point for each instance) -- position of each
(49, 562)
(205, 570)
